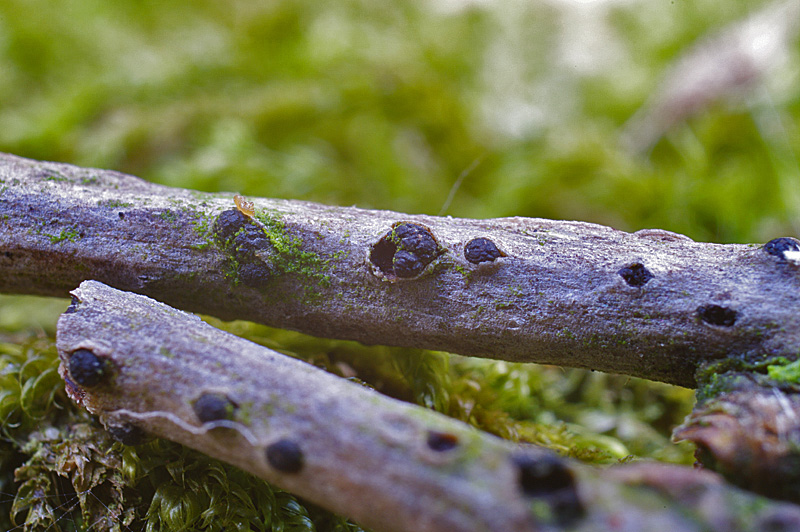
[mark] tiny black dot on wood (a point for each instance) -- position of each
(121, 215)
(213, 407)
(717, 315)
(635, 274)
(86, 368)
(549, 479)
(480, 250)
(285, 456)
(127, 434)
(441, 441)
(542, 476)
(73, 306)
(779, 246)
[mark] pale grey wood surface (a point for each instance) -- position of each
(388, 465)
(558, 296)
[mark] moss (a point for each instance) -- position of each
(291, 257)
(565, 333)
(114, 204)
(30, 387)
(785, 372)
(231, 270)
(465, 273)
(732, 372)
(69, 235)
(169, 216)
(57, 178)
(91, 180)
(156, 486)
(202, 224)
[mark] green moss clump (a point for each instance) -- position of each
(30, 387)
(788, 372)
(114, 204)
(292, 258)
(69, 235)
(734, 372)
(189, 491)
(169, 216)
(203, 225)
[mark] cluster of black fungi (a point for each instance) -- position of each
(242, 238)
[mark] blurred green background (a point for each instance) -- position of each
(384, 106)
(466, 108)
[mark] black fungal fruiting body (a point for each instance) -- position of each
(248, 240)
(285, 456)
(213, 407)
(441, 441)
(480, 250)
(127, 434)
(416, 239)
(228, 224)
(406, 264)
(717, 315)
(241, 238)
(635, 274)
(255, 274)
(86, 368)
(549, 479)
(779, 246)
(405, 251)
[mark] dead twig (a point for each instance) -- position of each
(652, 304)
(141, 365)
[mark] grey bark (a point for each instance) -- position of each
(389, 465)
(652, 304)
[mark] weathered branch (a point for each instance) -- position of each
(140, 364)
(652, 304)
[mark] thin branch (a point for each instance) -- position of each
(652, 304)
(392, 466)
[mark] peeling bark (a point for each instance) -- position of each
(651, 304)
(141, 365)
